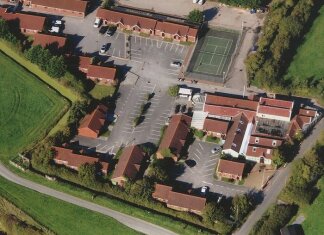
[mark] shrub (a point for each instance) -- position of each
(199, 134)
(173, 90)
(195, 16)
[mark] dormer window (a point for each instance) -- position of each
(241, 122)
(233, 144)
(254, 149)
(256, 140)
(274, 143)
(268, 151)
(238, 130)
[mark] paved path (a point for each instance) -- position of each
(134, 223)
(278, 182)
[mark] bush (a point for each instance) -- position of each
(199, 134)
(245, 3)
(196, 16)
(173, 90)
(213, 139)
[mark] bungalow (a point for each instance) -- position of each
(179, 201)
(216, 127)
(137, 24)
(66, 157)
(28, 24)
(230, 169)
(75, 8)
(49, 41)
(128, 165)
(176, 32)
(92, 123)
(275, 109)
(175, 136)
(105, 75)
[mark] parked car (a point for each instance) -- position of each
(54, 29)
(216, 150)
(103, 29)
(190, 163)
(103, 49)
(97, 23)
(183, 108)
(57, 22)
(220, 198)
(177, 108)
(204, 190)
(176, 64)
(110, 32)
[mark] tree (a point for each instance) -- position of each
(161, 169)
(166, 152)
(56, 67)
(87, 173)
(213, 212)
(173, 90)
(107, 4)
(277, 158)
(34, 53)
(196, 16)
(240, 207)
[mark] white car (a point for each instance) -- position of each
(176, 64)
(215, 150)
(97, 23)
(103, 49)
(204, 190)
(54, 29)
(57, 22)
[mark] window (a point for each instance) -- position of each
(233, 144)
(256, 140)
(241, 122)
(274, 143)
(238, 130)
(268, 151)
(254, 149)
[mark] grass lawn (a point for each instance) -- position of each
(101, 91)
(308, 62)
(314, 214)
(58, 216)
(28, 107)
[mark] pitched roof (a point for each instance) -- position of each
(71, 5)
(303, 120)
(129, 162)
(230, 167)
(45, 40)
(161, 191)
(186, 201)
(236, 133)
(216, 125)
(76, 160)
(274, 111)
(176, 133)
(307, 112)
(126, 18)
(256, 151)
(95, 120)
(101, 72)
(84, 62)
(227, 111)
(231, 102)
(276, 103)
(172, 28)
(192, 32)
(26, 21)
(265, 142)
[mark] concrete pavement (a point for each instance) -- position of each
(278, 182)
(132, 222)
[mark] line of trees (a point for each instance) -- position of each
(284, 27)
(245, 3)
(6, 34)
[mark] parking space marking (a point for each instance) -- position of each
(198, 151)
(207, 175)
(171, 46)
(200, 146)
(206, 182)
(197, 156)
(182, 50)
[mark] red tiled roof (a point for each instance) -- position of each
(230, 167)
(186, 201)
(94, 121)
(259, 152)
(274, 111)
(307, 112)
(236, 133)
(76, 160)
(192, 32)
(276, 103)
(129, 162)
(303, 120)
(26, 21)
(126, 19)
(84, 62)
(228, 111)
(216, 125)
(172, 28)
(265, 142)
(45, 40)
(161, 191)
(71, 5)
(231, 102)
(176, 133)
(101, 72)
(293, 128)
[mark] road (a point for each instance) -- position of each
(134, 223)
(278, 182)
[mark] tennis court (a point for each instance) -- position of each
(212, 56)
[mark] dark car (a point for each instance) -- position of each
(103, 49)
(177, 108)
(110, 31)
(190, 163)
(103, 29)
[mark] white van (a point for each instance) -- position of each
(97, 23)
(201, 2)
(54, 29)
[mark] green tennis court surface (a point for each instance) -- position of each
(212, 56)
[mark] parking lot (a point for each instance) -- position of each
(202, 173)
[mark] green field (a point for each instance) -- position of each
(308, 62)
(60, 217)
(28, 107)
(313, 225)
